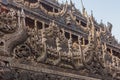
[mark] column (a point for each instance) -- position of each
(35, 25)
(18, 14)
(111, 51)
(83, 41)
(23, 18)
(54, 10)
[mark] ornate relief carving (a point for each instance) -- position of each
(51, 46)
(22, 51)
(8, 22)
(9, 28)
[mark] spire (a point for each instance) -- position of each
(22, 13)
(91, 13)
(92, 18)
(72, 5)
(43, 36)
(23, 17)
(71, 2)
(101, 21)
(66, 2)
(83, 8)
(18, 14)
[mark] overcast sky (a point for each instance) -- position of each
(106, 10)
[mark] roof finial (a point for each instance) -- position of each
(101, 21)
(23, 18)
(92, 14)
(22, 13)
(72, 5)
(66, 2)
(83, 8)
(71, 2)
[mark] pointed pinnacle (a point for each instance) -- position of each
(22, 13)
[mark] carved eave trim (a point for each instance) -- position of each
(27, 3)
(34, 5)
(78, 24)
(61, 13)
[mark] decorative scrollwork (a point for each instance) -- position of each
(22, 51)
(8, 22)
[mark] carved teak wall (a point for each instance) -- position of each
(39, 41)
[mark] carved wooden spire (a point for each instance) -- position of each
(92, 15)
(18, 14)
(23, 18)
(92, 28)
(83, 8)
(71, 3)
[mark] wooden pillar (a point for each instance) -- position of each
(63, 32)
(43, 25)
(111, 51)
(18, 14)
(35, 22)
(43, 33)
(35, 25)
(83, 41)
(80, 23)
(23, 19)
(53, 10)
(70, 36)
